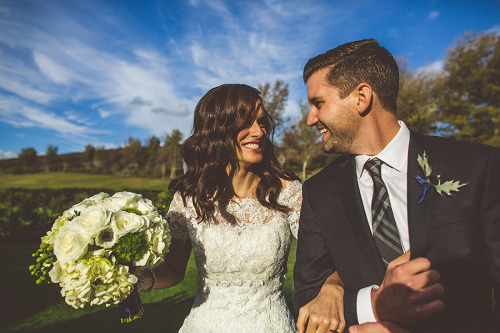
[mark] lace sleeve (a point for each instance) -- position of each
(178, 218)
(292, 198)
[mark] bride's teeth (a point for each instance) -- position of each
(252, 145)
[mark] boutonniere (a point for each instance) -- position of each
(434, 180)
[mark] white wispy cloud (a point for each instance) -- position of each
(494, 29)
(4, 155)
(18, 114)
(433, 15)
(260, 46)
(433, 67)
(54, 71)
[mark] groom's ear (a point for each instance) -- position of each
(364, 95)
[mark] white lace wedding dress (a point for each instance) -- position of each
(241, 260)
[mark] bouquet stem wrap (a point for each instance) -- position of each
(131, 308)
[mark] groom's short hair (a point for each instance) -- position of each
(356, 62)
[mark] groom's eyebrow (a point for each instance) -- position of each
(315, 100)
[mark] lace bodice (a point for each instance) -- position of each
(241, 258)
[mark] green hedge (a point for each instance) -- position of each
(27, 214)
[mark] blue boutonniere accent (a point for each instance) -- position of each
(434, 180)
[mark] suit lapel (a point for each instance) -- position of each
(418, 221)
(347, 184)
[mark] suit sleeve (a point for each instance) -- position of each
(490, 215)
(313, 262)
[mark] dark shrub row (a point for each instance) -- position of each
(27, 214)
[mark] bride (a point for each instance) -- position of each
(236, 207)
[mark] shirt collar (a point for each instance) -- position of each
(395, 154)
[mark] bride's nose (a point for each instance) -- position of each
(256, 130)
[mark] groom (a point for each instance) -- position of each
(364, 210)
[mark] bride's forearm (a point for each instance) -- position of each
(162, 276)
(170, 272)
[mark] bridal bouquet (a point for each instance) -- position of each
(91, 246)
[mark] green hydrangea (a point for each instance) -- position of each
(130, 248)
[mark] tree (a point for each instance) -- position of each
(28, 160)
(301, 141)
(88, 154)
(50, 157)
(153, 145)
(470, 102)
(171, 153)
(274, 100)
(100, 155)
(134, 154)
(417, 99)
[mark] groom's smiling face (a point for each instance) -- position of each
(334, 117)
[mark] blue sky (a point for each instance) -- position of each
(96, 72)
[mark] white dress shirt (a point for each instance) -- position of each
(394, 175)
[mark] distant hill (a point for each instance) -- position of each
(127, 162)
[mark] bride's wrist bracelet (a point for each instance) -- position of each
(141, 281)
(153, 285)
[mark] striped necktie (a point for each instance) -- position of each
(385, 231)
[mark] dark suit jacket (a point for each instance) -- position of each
(459, 234)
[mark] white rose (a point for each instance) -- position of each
(145, 206)
(111, 205)
(98, 198)
(79, 207)
(124, 223)
(121, 200)
(70, 244)
(130, 198)
(92, 220)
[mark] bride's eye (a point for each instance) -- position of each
(264, 124)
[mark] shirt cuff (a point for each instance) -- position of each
(364, 305)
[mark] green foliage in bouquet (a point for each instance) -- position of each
(130, 248)
(45, 258)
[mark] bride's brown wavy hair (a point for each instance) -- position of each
(210, 153)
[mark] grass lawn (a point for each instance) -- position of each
(78, 180)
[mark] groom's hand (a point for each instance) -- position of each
(410, 291)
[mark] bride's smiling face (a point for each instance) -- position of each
(251, 141)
